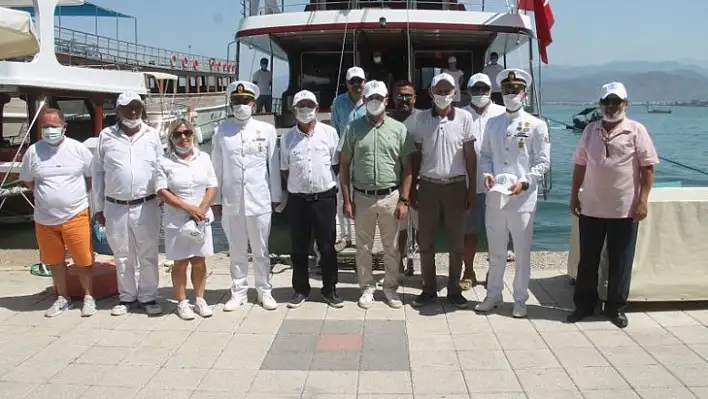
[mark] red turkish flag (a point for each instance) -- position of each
(544, 22)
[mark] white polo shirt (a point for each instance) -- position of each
(492, 70)
(58, 174)
(309, 158)
(457, 75)
(440, 140)
(480, 121)
(188, 179)
(123, 167)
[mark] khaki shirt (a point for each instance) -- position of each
(376, 152)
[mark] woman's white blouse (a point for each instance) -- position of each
(188, 179)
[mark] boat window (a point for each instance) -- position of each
(319, 73)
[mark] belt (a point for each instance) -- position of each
(131, 202)
(449, 180)
(376, 193)
(332, 192)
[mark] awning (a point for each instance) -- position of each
(83, 10)
(17, 34)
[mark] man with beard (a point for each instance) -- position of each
(404, 112)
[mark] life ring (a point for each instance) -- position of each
(195, 64)
(211, 64)
(185, 61)
(173, 60)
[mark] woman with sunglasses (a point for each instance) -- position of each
(186, 181)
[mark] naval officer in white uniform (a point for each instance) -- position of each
(515, 154)
(246, 161)
(125, 202)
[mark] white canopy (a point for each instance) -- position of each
(17, 35)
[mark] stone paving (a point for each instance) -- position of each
(319, 352)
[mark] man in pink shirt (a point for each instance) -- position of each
(614, 164)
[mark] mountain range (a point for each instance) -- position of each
(660, 82)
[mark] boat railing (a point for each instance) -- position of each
(106, 49)
(267, 7)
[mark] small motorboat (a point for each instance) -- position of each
(582, 118)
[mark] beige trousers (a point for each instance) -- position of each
(370, 210)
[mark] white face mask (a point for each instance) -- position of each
(375, 107)
(183, 150)
(52, 135)
(305, 115)
(132, 123)
(377, 60)
(480, 101)
(513, 102)
(242, 111)
(616, 117)
(443, 102)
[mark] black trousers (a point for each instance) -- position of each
(621, 240)
(264, 102)
(497, 98)
(313, 213)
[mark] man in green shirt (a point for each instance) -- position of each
(381, 178)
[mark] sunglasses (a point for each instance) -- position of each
(356, 81)
(241, 100)
(403, 97)
(611, 102)
(183, 133)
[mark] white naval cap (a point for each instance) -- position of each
(375, 87)
(355, 72)
(243, 88)
(503, 182)
(514, 75)
(451, 59)
(615, 88)
(443, 76)
(128, 97)
(479, 77)
(304, 95)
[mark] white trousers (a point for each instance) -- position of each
(132, 233)
(344, 225)
(499, 224)
(241, 231)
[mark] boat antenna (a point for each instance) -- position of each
(341, 53)
(40, 108)
(408, 38)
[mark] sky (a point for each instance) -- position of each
(586, 32)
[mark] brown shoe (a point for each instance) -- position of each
(467, 283)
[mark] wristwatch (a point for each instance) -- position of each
(524, 185)
(405, 200)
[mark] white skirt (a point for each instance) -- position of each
(179, 247)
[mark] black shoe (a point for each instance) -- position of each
(424, 299)
(297, 300)
(458, 301)
(618, 318)
(410, 271)
(577, 315)
(334, 300)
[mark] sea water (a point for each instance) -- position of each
(681, 136)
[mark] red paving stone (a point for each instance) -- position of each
(339, 342)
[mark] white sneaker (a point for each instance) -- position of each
(203, 309)
(366, 299)
(234, 303)
(519, 310)
(488, 304)
(58, 307)
(119, 310)
(393, 300)
(267, 301)
(184, 310)
(89, 307)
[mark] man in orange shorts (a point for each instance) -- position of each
(56, 168)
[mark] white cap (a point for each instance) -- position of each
(514, 74)
(193, 230)
(375, 87)
(304, 95)
(128, 97)
(243, 88)
(503, 183)
(443, 76)
(355, 72)
(615, 88)
(451, 59)
(479, 77)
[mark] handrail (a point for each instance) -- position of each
(88, 45)
(268, 7)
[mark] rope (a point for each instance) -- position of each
(559, 122)
(10, 184)
(684, 166)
